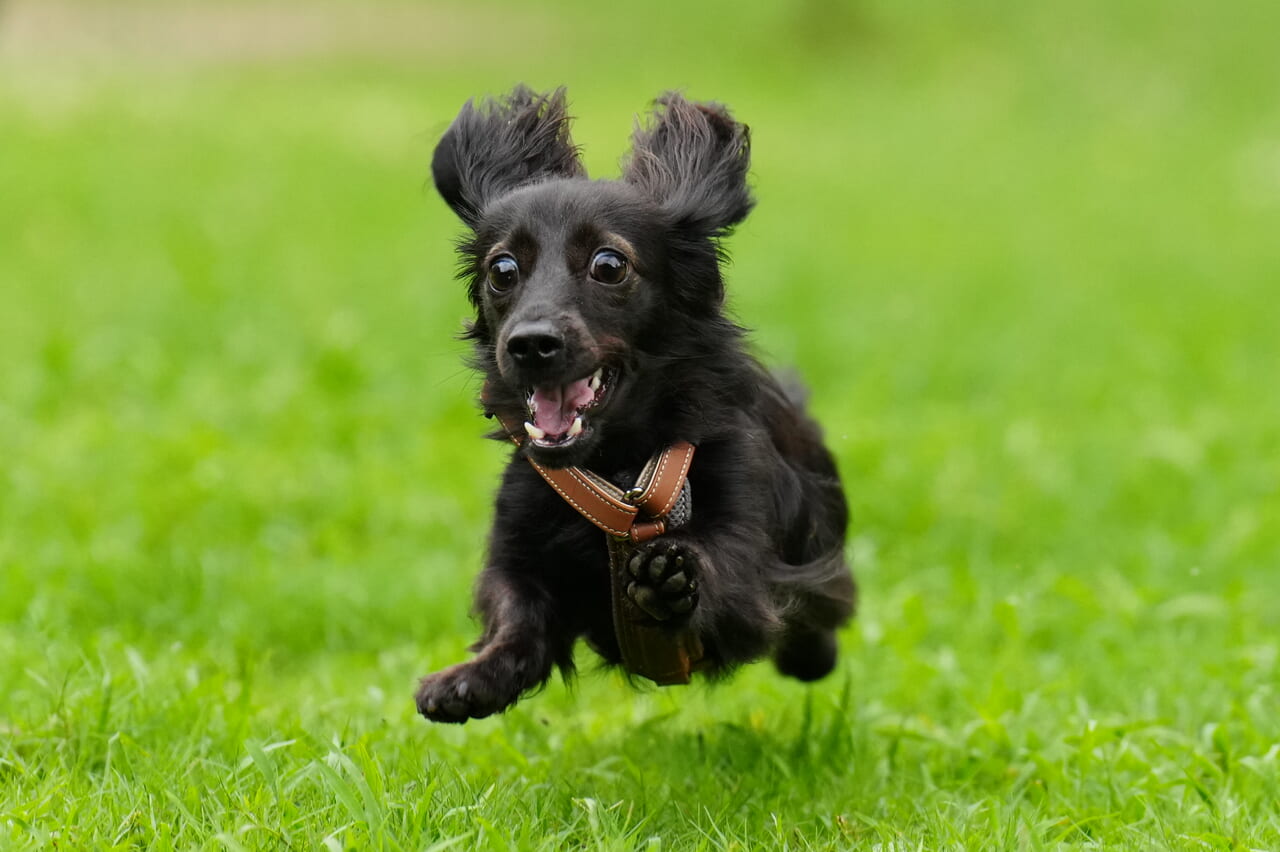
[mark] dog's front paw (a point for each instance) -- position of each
(465, 691)
(663, 580)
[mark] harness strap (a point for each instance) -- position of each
(630, 518)
(617, 512)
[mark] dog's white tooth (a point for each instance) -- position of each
(594, 384)
(534, 432)
(576, 429)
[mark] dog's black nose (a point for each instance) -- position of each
(535, 344)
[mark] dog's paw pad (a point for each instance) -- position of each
(662, 583)
(675, 584)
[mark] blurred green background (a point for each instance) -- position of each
(1025, 254)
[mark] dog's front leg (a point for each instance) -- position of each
(519, 647)
(710, 583)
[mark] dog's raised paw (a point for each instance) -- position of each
(461, 692)
(663, 580)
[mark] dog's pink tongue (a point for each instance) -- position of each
(555, 406)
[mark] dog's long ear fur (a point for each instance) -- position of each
(692, 159)
(499, 144)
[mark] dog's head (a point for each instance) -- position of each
(583, 289)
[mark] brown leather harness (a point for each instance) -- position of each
(630, 518)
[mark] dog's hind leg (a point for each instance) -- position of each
(806, 654)
(822, 596)
(520, 646)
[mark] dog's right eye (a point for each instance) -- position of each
(503, 273)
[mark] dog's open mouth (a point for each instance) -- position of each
(558, 413)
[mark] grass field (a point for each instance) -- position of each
(1028, 256)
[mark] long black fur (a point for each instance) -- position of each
(765, 546)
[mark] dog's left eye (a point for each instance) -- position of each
(503, 272)
(608, 267)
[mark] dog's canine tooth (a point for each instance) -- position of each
(534, 432)
(595, 380)
(576, 429)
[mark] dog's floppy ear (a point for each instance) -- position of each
(499, 144)
(692, 159)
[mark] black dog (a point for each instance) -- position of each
(600, 321)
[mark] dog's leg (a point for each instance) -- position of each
(822, 596)
(520, 645)
(806, 654)
(709, 584)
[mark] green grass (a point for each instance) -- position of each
(1026, 255)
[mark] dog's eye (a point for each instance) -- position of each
(503, 273)
(608, 267)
